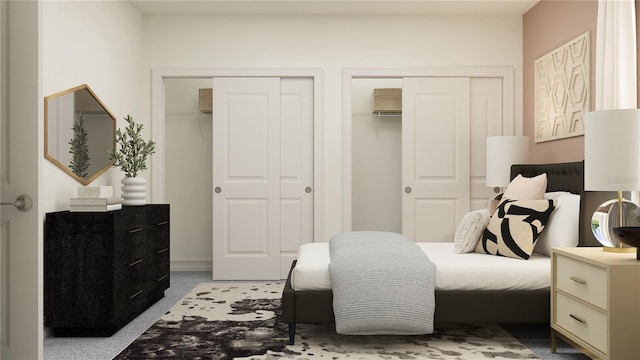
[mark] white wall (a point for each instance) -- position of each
(376, 160)
(97, 43)
(331, 43)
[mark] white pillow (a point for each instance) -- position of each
(564, 225)
(555, 194)
(523, 188)
(470, 230)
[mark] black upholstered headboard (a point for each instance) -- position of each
(568, 177)
(560, 176)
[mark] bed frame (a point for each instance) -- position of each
(495, 306)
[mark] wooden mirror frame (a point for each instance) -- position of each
(94, 109)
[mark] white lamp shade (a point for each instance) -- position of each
(501, 153)
(612, 150)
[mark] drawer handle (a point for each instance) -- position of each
(163, 250)
(578, 319)
(136, 294)
(135, 230)
(578, 280)
(162, 223)
(162, 277)
(136, 262)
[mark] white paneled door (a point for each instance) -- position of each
(21, 306)
(262, 171)
(246, 178)
(435, 156)
(486, 120)
(296, 168)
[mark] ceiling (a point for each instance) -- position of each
(333, 7)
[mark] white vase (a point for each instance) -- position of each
(134, 191)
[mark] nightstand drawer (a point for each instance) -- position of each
(582, 280)
(583, 321)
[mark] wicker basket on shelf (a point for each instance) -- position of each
(387, 101)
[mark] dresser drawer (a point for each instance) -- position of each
(132, 245)
(584, 281)
(130, 301)
(583, 321)
(133, 276)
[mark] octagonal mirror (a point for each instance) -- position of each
(79, 131)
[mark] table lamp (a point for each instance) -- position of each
(612, 163)
(501, 153)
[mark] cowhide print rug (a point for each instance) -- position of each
(242, 321)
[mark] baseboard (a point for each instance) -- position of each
(47, 332)
(191, 265)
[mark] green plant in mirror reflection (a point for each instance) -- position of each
(79, 149)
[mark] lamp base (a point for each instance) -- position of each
(607, 218)
(619, 249)
(629, 235)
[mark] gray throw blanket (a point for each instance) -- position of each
(382, 284)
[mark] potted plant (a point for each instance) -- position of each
(131, 156)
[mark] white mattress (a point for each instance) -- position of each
(471, 271)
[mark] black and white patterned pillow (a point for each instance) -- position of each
(515, 227)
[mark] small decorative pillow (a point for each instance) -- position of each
(515, 227)
(470, 230)
(523, 188)
(564, 224)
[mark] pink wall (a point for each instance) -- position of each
(546, 26)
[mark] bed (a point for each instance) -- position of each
(455, 302)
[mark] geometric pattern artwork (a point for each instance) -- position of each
(561, 82)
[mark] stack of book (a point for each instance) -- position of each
(98, 199)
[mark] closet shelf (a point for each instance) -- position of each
(369, 113)
(187, 113)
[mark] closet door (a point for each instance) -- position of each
(435, 156)
(246, 178)
(296, 168)
(486, 120)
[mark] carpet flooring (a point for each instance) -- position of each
(534, 336)
(106, 348)
(242, 320)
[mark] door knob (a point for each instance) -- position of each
(218, 189)
(407, 189)
(22, 203)
(307, 189)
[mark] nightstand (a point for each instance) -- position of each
(595, 302)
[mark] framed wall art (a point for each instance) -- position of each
(561, 82)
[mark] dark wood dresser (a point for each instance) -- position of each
(102, 269)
